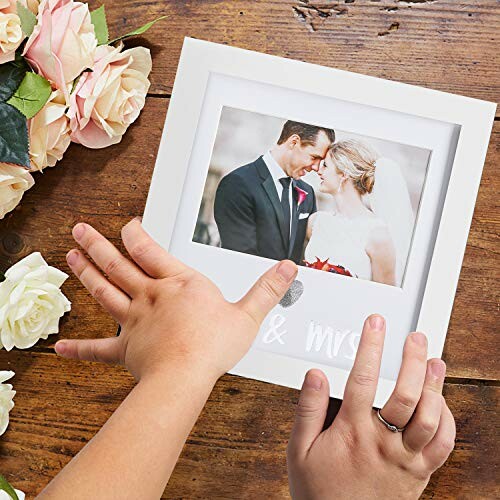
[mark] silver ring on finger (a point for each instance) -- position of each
(391, 427)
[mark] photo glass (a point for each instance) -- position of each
(364, 199)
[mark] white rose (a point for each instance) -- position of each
(5, 496)
(14, 181)
(11, 36)
(6, 403)
(49, 132)
(31, 302)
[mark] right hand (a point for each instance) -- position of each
(357, 457)
(169, 313)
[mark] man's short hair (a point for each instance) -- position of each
(308, 133)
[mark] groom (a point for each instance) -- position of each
(262, 208)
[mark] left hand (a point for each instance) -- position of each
(171, 315)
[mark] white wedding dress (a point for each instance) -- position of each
(342, 241)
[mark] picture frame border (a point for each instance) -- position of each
(475, 118)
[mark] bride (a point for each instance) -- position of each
(369, 242)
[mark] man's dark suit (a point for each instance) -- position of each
(250, 218)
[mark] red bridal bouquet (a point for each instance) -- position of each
(326, 266)
(61, 80)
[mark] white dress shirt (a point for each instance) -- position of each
(278, 173)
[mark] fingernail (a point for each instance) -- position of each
(286, 269)
(60, 347)
(438, 368)
(419, 339)
(138, 218)
(72, 257)
(78, 230)
(312, 381)
(377, 322)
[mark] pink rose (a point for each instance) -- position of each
(108, 99)
(49, 133)
(63, 42)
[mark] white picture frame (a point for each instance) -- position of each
(211, 76)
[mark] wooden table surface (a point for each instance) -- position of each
(237, 448)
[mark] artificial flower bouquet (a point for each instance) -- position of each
(61, 80)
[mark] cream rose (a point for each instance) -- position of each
(6, 396)
(63, 42)
(49, 133)
(11, 36)
(10, 6)
(31, 302)
(32, 5)
(108, 99)
(14, 181)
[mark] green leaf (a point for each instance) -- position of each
(74, 84)
(31, 95)
(28, 19)
(11, 76)
(5, 486)
(98, 19)
(20, 62)
(14, 145)
(138, 31)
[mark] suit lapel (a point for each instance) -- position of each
(270, 189)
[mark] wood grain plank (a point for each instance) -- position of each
(237, 448)
(108, 187)
(446, 45)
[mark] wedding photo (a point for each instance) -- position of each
(327, 199)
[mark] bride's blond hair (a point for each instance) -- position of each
(357, 162)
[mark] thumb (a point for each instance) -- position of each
(311, 412)
(269, 290)
(102, 350)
